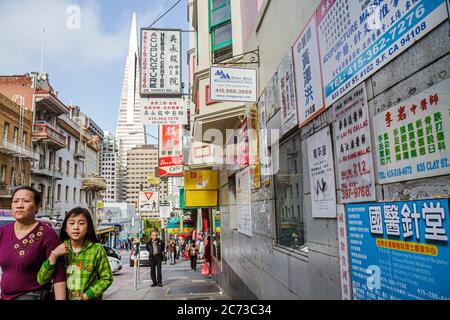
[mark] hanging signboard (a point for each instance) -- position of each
(148, 201)
(412, 138)
(353, 143)
(161, 61)
(233, 84)
(157, 112)
(287, 96)
(201, 188)
(399, 250)
(264, 153)
(356, 42)
(164, 211)
(243, 202)
(321, 175)
(308, 74)
(253, 141)
(272, 103)
(170, 163)
(343, 253)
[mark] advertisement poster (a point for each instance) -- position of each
(287, 94)
(161, 111)
(321, 175)
(264, 153)
(343, 253)
(253, 139)
(357, 38)
(272, 97)
(233, 84)
(353, 143)
(160, 61)
(243, 202)
(399, 250)
(308, 74)
(412, 138)
(170, 161)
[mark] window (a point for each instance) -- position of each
(67, 194)
(75, 169)
(220, 29)
(58, 195)
(68, 142)
(76, 146)
(60, 169)
(49, 194)
(68, 168)
(16, 135)
(81, 198)
(3, 174)
(289, 222)
(24, 138)
(74, 195)
(5, 131)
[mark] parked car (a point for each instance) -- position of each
(115, 264)
(143, 256)
(110, 252)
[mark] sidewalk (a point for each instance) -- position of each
(180, 283)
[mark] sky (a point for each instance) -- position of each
(85, 56)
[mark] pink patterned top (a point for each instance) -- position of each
(20, 260)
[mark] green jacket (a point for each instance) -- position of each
(87, 271)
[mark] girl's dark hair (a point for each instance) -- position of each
(90, 235)
(36, 194)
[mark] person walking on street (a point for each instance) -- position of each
(24, 246)
(193, 251)
(155, 248)
(208, 254)
(88, 270)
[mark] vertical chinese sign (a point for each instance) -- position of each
(399, 250)
(170, 151)
(356, 42)
(343, 253)
(160, 62)
(264, 153)
(243, 202)
(412, 138)
(321, 175)
(356, 180)
(287, 96)
(308, 74)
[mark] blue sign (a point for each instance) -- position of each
(399, 250)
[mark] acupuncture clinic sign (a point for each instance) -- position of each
(160, 61)
(233, 84)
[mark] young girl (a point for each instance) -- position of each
(87, 265)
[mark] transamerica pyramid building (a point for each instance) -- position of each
(128, 120)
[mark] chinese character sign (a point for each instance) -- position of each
(308, 75)
(412, 138)
(170, 151)
(163, 111)
(343, 253)
(356, 180)
(243, 202)
(399, 250)
(287, 96)
(357, 39)
(321, 175)
(160, 61)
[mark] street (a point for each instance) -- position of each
(179, 283)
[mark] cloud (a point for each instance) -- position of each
(70, 43)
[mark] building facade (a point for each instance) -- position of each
(290, 251)
(16, 153)
(110, 168)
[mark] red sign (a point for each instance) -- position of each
(148, 195)
(170, 151)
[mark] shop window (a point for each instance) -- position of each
(289, 222)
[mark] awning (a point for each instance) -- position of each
(104, 229)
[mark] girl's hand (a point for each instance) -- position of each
(61, 250)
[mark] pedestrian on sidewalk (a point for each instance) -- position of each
(172, 252)
(193, 251)
(24, 246)
(87, 266)
(208, 254)
(155, 248)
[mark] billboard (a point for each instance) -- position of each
(399, 250)
(161, 61)
(159, 111)
(233, 84)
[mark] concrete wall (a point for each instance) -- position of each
(257, 266)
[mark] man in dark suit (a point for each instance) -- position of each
(155, 249)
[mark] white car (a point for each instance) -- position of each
(115, 264)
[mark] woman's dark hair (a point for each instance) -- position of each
(36, 194)
(90, 234)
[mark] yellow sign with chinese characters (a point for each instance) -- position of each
(201, 180)
(152, 179)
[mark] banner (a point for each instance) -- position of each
(163, 111)
(287, 94)
(243, 202)
(399, 250)
(160, 61)
(170, 163)
(355, 42)
(412, 138)
(233, 84)
(308, 74)
(353, 143)
(321, 175)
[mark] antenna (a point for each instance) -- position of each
(42, 50)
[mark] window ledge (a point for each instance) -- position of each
(301, 253)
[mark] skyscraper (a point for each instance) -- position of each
(128, 120)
